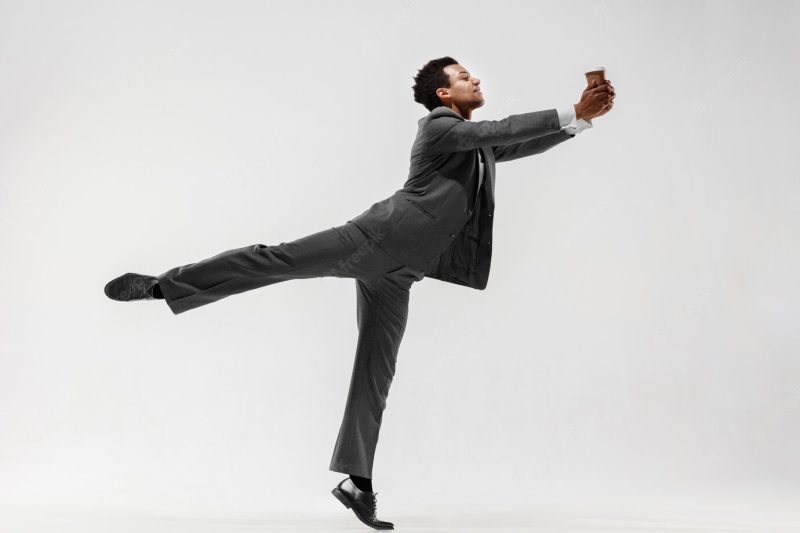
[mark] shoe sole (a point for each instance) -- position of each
(342, 497)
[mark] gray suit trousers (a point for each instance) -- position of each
(382, 291)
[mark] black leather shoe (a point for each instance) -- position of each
(131, 286)
(362, 502)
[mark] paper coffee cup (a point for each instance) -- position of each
(596, 76)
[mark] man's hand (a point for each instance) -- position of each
(596, 101)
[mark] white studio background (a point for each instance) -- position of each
(638, 339)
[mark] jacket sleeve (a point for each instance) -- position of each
(447, 133)
(509, 152)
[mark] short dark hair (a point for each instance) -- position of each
(428, 79)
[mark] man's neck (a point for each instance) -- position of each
(466, 114)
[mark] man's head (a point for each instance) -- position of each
(444, 82)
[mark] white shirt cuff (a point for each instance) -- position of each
(570, 123)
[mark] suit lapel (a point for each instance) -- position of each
(488, 163)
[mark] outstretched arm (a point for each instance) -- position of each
(595, 101)
(451, 134)
(570, 126)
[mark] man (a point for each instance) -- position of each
(439, 225)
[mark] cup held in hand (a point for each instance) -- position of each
(596, 76)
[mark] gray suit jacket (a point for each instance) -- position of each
(440, 223)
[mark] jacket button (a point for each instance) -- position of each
(452, 236)
(490, 214)
(488, 242)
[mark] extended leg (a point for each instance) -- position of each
(382, 313)
(341, 251)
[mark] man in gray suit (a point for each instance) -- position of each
(438, 225)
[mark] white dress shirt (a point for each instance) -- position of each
(569, 121)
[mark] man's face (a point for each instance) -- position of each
(464, 91)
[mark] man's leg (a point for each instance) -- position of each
(382, 313)
(382, 296)
(341, 251)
